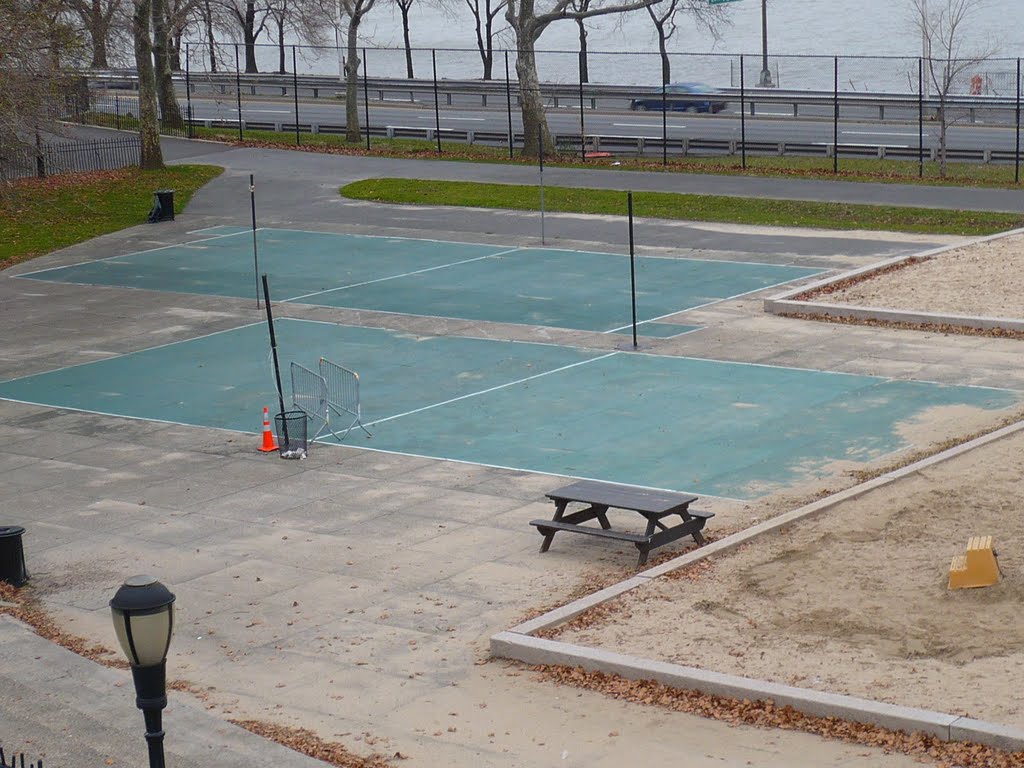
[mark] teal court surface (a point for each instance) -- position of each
(536, 286)
(704, 426)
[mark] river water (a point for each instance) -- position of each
(803, 36)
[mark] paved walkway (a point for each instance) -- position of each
(354, 593)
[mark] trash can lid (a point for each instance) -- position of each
(11, 530)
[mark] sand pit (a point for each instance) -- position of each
(855, 600)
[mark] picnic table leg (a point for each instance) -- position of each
(600, 510)
(645, 547)
(559, 511)
(697, 535)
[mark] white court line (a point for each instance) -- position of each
(494, 389)
(404, 274)
(136, 253)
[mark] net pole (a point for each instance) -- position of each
(540, 159)
(255, 252)
(273, 351)
(632, 263)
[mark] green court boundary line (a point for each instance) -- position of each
(129, 254)
(494, 388)
(405, 274)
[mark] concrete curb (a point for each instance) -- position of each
(787, 303)
(520, 644)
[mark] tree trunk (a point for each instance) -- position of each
(164, 84)
(150, 156)
(404, 7)
(584, 65)
(535, 125)
(249, 37)
(352, 62)
(208, 23)
(282, 68)
(666, 66)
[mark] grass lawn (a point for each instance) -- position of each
(667, 205)
(42, 215)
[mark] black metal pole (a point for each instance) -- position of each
(273, 350)
(632, 264)
(255, 253)
(664, 121)
(117, 112)
(295, 93)
(583, 136)
(437, 106)
(835, 115)
(366, 100)
(508, 101)
(238, 93)
(1016, 162)
(154, 736)
(920, 118)
(540, 160)
(743, 118)
(188, 92)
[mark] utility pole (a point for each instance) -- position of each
(766, 75)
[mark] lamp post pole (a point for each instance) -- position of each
(766, 74)
(143, 615)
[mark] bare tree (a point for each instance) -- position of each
(485, 12)
(404, 6)
(32, 41)
(528, 22)
(166, 97)
(943, 26)
(249, 18)
(97, 17)
(149, 135)
(579, 6)
(665, 17)
(346, 16)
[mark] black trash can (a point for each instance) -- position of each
(291, 434)
(163, 206)
(12, 555)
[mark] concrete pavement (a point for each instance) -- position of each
(354, 593)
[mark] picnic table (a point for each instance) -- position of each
(653, 505)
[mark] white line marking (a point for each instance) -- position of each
(855, 144)
(404, 274)
(494, 389)
(645, 125)
(875, 133)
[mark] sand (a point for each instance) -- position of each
(855, 600)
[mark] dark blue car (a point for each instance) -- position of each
(682, 97)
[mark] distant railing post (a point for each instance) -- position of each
(188, 93)
(366, 101)
(743, 118)
(295, 93)
(835, 115)
(664, 120)
(117, 112)
(238, 93)
(1016, 151)
(437, 106)
(508, 101)
(920, 118)
(583, 135)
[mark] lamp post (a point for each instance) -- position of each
(766, 74)
(143, 614)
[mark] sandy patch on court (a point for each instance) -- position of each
(855, 600)
(981, 280)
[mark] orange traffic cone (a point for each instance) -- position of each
(268, 436)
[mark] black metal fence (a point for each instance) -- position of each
(55, 158)
(300, 90)
(15, 762)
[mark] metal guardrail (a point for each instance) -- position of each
(493, 93)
